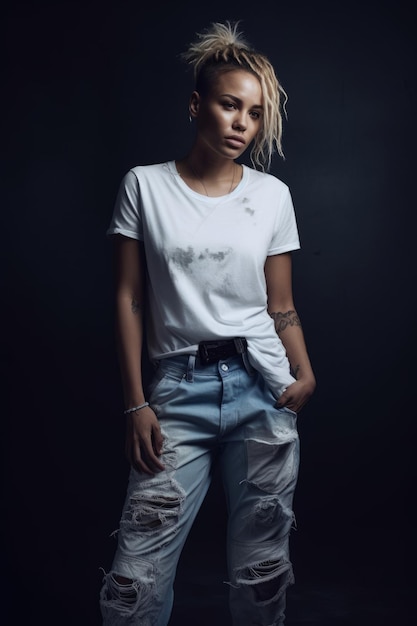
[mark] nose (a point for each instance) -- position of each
(239, 121)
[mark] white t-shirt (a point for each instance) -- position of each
(205, 259)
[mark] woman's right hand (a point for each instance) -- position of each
(144, 441)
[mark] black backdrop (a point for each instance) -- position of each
(93, 89)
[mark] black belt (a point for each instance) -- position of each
(212, 351)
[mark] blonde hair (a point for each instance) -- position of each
(222, 48)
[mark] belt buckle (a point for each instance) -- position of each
(206, 351)
(213, 351)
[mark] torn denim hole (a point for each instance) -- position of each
(156, 504)
(270, 510)
(272, 466)
(266, 510)
(269, 579)
(132, 601)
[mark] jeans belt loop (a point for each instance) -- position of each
(240, 345)
(246, 363)
(190, 369)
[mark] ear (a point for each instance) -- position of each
(194, 105)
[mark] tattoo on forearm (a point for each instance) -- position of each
(294, 371)
(135, 306)
(282, 320)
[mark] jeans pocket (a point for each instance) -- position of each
(164, 382)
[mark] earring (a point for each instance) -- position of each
(190, 119)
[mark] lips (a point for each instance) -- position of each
(236, 140)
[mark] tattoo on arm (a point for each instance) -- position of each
(294, 371)
(135, 306)
(282, 320)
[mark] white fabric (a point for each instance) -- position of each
(206, 259)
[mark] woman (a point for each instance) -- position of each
(203, 244)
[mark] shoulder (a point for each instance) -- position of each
(152, 171)
(267, 182)
(269, 189)
(139, 176)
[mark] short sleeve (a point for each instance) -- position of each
(127, 213)
(285, 237)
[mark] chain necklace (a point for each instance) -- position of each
(203, 185)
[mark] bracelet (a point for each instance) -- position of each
(135, 408)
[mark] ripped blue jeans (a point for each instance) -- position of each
(226, 411)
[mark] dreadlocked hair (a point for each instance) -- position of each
(222, 48)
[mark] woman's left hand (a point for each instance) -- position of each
(296, 395)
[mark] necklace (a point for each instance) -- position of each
(203, 185)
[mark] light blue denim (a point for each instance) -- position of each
(222, 411)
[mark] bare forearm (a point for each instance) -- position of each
(129, 334)
(288, 328)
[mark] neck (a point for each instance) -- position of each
(210, 176)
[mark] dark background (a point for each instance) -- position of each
(93, 89)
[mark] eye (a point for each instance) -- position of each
(229, 105)
(255, 115)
